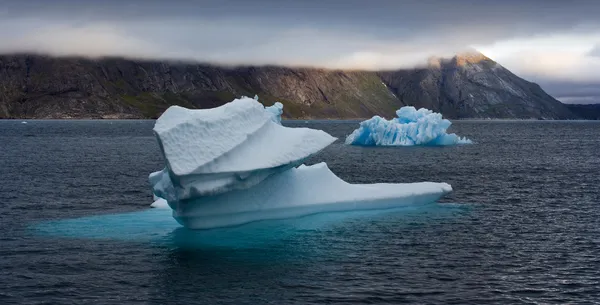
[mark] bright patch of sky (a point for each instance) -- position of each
(559, 57)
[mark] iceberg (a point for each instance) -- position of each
(411, 127)
(235, 164)
(276, 111)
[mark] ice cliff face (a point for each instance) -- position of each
(207, 151)
(235, 164)
(464, 87)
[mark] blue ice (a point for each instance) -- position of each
(411, 127)
(275, 111)
(156, 226)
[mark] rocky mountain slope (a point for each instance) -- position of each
(471, 86)
(586, 112)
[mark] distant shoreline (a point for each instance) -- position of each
(313, 119)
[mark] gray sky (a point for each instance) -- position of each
(548, 41)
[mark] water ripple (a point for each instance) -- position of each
(521, 227)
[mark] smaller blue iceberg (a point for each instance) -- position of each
(411, 127)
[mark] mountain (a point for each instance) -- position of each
(471, 85)
(586, 112)
(466, 86)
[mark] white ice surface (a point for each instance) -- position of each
(410, 127)
(301, 191)
(160, 203)
(220, 140)
(234, 146)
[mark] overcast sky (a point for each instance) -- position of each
(553, 42)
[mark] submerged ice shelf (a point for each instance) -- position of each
(236, 164)
(411, 127)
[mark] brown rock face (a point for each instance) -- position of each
(33, 86)
(473, 86)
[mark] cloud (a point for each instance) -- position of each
(539, 39)
(573, 92)
(230, 43)
(357, 25)
(89, 40)
(557, 57)
(564, 65)
(595, 51)
(579, 99)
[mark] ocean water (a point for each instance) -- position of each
(521, 227)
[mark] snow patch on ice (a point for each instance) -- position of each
(159, 203)
(410, 127)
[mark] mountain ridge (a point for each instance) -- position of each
(465, 86)
(586, 111)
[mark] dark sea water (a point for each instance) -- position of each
(521, 227)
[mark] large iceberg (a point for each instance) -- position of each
(410, 127)
(236, 164)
